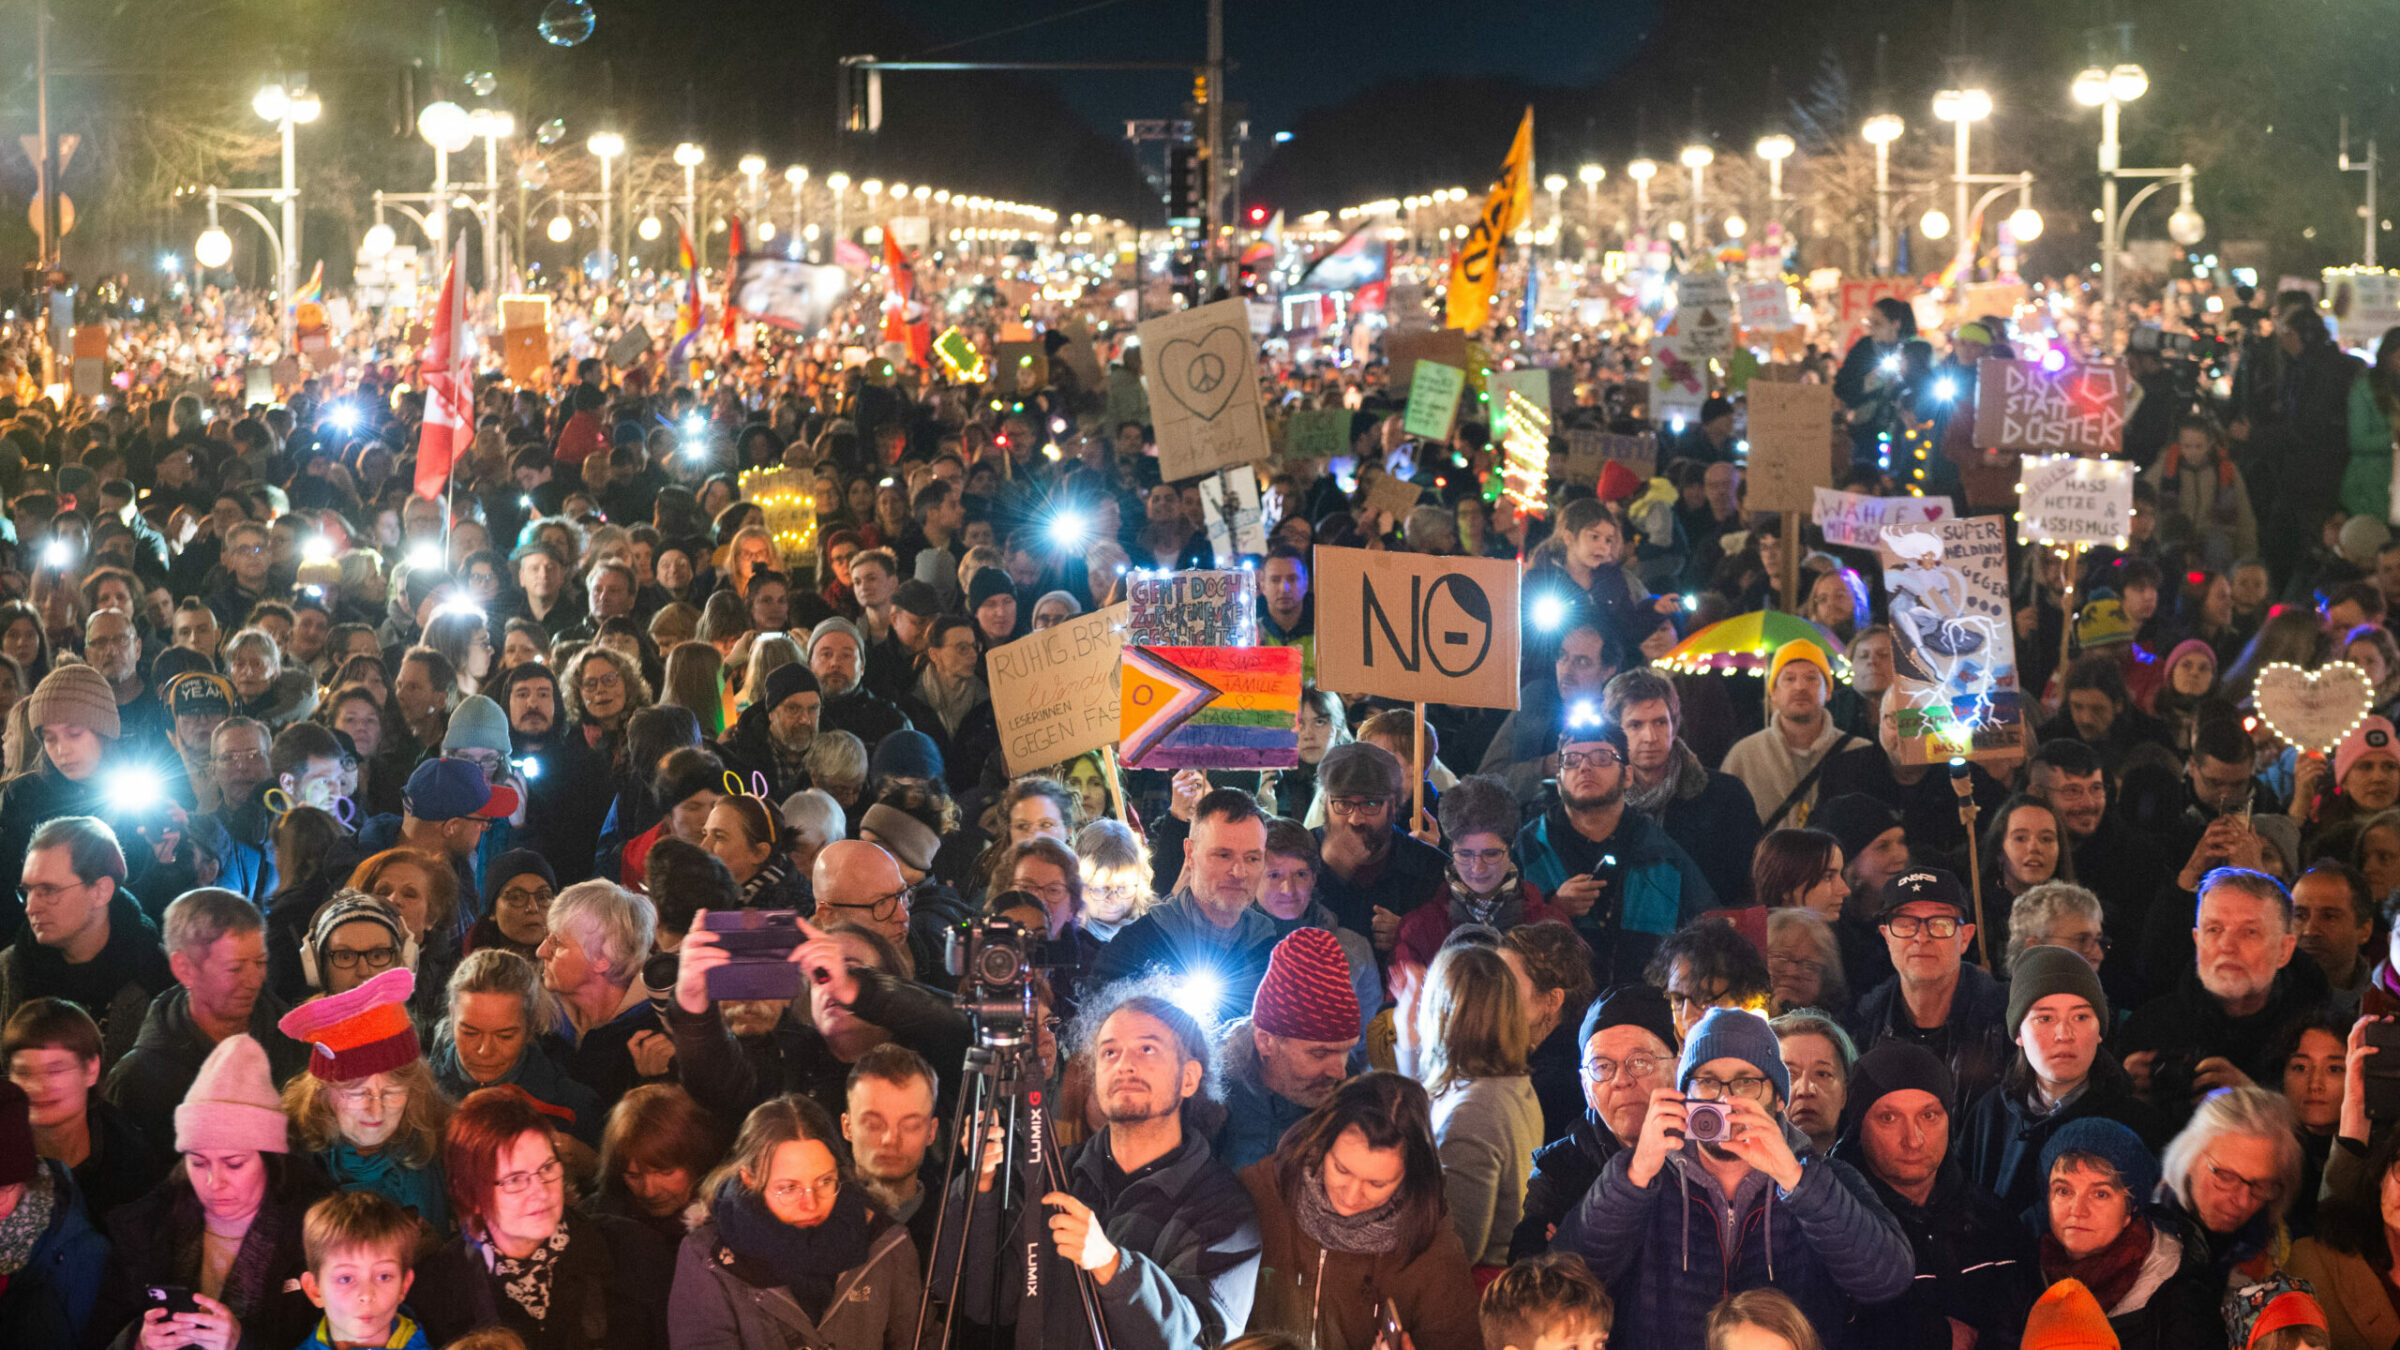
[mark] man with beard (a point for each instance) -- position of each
(835, 653)
(2112, 861)
(1210, 931)
(1708, 813)
(773, 734)
(1782, 763)
(1166, 1232)
(217, 949)
(564, 814)
(237, 830)
(1288, 1056)
(1618, 877)
(1375, 873)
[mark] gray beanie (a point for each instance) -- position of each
(1735, 1033)
(477, 724)
(2039, 972)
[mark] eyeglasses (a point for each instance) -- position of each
(1479, 857)
(1602, 1070)
(247, 759)
(516, 1183)
(1357, 806)
(377, 958)
(1780, 964)
(1906, 926)
(2084, 942)
(607, 679)
(881, 910)
(1688, 1002)
(392, 1098)
(1053, 893)
(42, 893)
(517, 897)
(1709, 1087)
(1590, 759)
(2226, 1177)
(822, 1187)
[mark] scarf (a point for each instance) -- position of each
(2109, 1272)
(805, 1261)
(26, 1223)
(1682, 767)
(1502, 908)
(950, 703)
(415, 1189)
(1373, 1233)
(774, 869)
(526, 1279)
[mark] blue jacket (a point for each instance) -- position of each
(1176, 938)
(1668, 1253)
(1255, 1115)
(49, 1301)
(1659, 887)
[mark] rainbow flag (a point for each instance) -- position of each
(1210, 707)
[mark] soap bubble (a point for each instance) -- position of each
(566, 23)
(483, 82)
(552, 131)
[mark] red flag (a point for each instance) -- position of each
(905, 320)
(449, 381)
(733, 268)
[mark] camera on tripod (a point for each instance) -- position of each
(996, 959)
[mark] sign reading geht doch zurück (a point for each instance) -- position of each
(2067, 499)
(1055, 692)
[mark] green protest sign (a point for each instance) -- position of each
(1433, 396)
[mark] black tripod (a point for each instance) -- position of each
(1003, 1087)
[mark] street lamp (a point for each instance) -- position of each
(561, 229)
(797, 176)
(1775, 147)
(1590, 176)
(1880, 131)
(214, 247)
(837, 183)
(753, 167)
(379, 240)
(1641, 171)
(605, 146)
(1556, 185)
(287, 105)
(689, 157)
(1962, 108)
(444, 126)
(1697, 157)
(494, 126)
(2109, 89)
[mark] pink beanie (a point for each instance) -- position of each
(232, 1104)
(2371, 737)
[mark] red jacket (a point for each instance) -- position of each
(581, 436)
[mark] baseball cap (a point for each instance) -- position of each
(193, 694)
(1924, 885)
(917, 598)
(453, 789)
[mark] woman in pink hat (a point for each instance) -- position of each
(222, 1235)
(2364, 779)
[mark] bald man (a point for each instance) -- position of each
(857, 882)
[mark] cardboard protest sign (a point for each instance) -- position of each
(1191, 609)
(1678, 380)
(1055, 692)
(1210, 707)
(1954, 654)
(1433, 395)
(1791, 445)
(1229, 501)
(2074, 410)
(2067, 499)
(1765, 306)
(1704, 314)
(631, 346)
(1415, 627)
(1857, 521)
(1201, 370)
(1395, 497)
(1402, 351)
(1587, 451)
(2315, 710)
(1316, 433)
(2361, 304)
(525, 337)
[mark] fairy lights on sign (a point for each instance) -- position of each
(1525, 473)
(785, 498)
(2068, 499)
(2314, 710)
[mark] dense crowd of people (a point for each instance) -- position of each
(369, 976)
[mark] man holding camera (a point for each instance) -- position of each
(1720, 1194)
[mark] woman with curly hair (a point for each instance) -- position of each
(603, 689)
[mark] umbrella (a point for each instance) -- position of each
(1745, 643)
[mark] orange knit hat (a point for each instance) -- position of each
(2067, 1317)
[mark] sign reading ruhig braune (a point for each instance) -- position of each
(1954, 656)
(2074, 409)
(2068, 499)
(1055, 692)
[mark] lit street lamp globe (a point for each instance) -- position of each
(753, 165)
(2025, 225)
(796, 175)
(1555, 183)
(1735, 227)
(214, 247)
(272, 102)
(649, 228)
(1591, 174)
(2128, 82)
(561, 229)
(2186, 227)
(1697, 156)
(2091, 86)
(1883, 129)
(1934, 225)
(445, 126)
(689, 156)
(379, 241)
(1776, 146)
(605, 144)
(1642, 170)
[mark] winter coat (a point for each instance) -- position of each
(1422, 932)
(1979, 1049)
(49, 1300)
(1711, 817)
(1999, 1141)
(574, 1106)
(291, 697)
(729, 1076)
(602, 1057)
(2210, 504)
(1772, 770)
(2367, 477)
(1255, 1115)
(133, 966)
(724, 1301)
(124, 1164)
(149, 1082)
(606, 1290)
(2357, 1309)
(156, 1240)
(1563, 1170)
(2191, 1018)
(1485, 1131)
(1176, 937)
(29, 799)
(1672, 1250)
(1975, 1264)
(1413, 873)
(1185, 1232)
(1334, 1300)
(1656, 889)
(2173, 1304)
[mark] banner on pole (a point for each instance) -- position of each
(1791, 445)
(1433, 395)
(1857, 521)
(1229, 502)
(1587, 451)
(1954, 689)
(1210, 707)
(2068, 499)
(2074, 409)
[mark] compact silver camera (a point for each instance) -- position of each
(1707, 1122)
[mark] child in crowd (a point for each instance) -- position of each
(361, 1251)
(1548, 1302)
(1760, 1319)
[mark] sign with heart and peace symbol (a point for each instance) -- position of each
(1200, 368)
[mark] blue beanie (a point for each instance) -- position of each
(2104, 1138)
(906, 754)
(476, 724)
(1735, 1033)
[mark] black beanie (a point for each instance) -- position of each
(1896, 1066)
(1629, 1005)
(988, 583)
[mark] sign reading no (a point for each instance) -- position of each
(1423, 629)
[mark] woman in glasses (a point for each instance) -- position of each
(517, 888)
(524, 1260)
(2231, 1175)
(368, 1109)
(792, 1251)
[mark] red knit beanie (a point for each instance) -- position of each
(1307, 994)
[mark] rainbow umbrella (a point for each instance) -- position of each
(1745, 643)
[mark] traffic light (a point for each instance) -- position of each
(1185, 187)
(862, 99)
(1258, 215)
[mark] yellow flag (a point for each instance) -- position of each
(1476, 268)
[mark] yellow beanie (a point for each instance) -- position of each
(1800, 649)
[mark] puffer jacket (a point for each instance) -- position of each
(1333, 1300)
(1255, 1115)
(724, 1301)
(1672, 1250)
(48, 1300)
(1658, 887)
